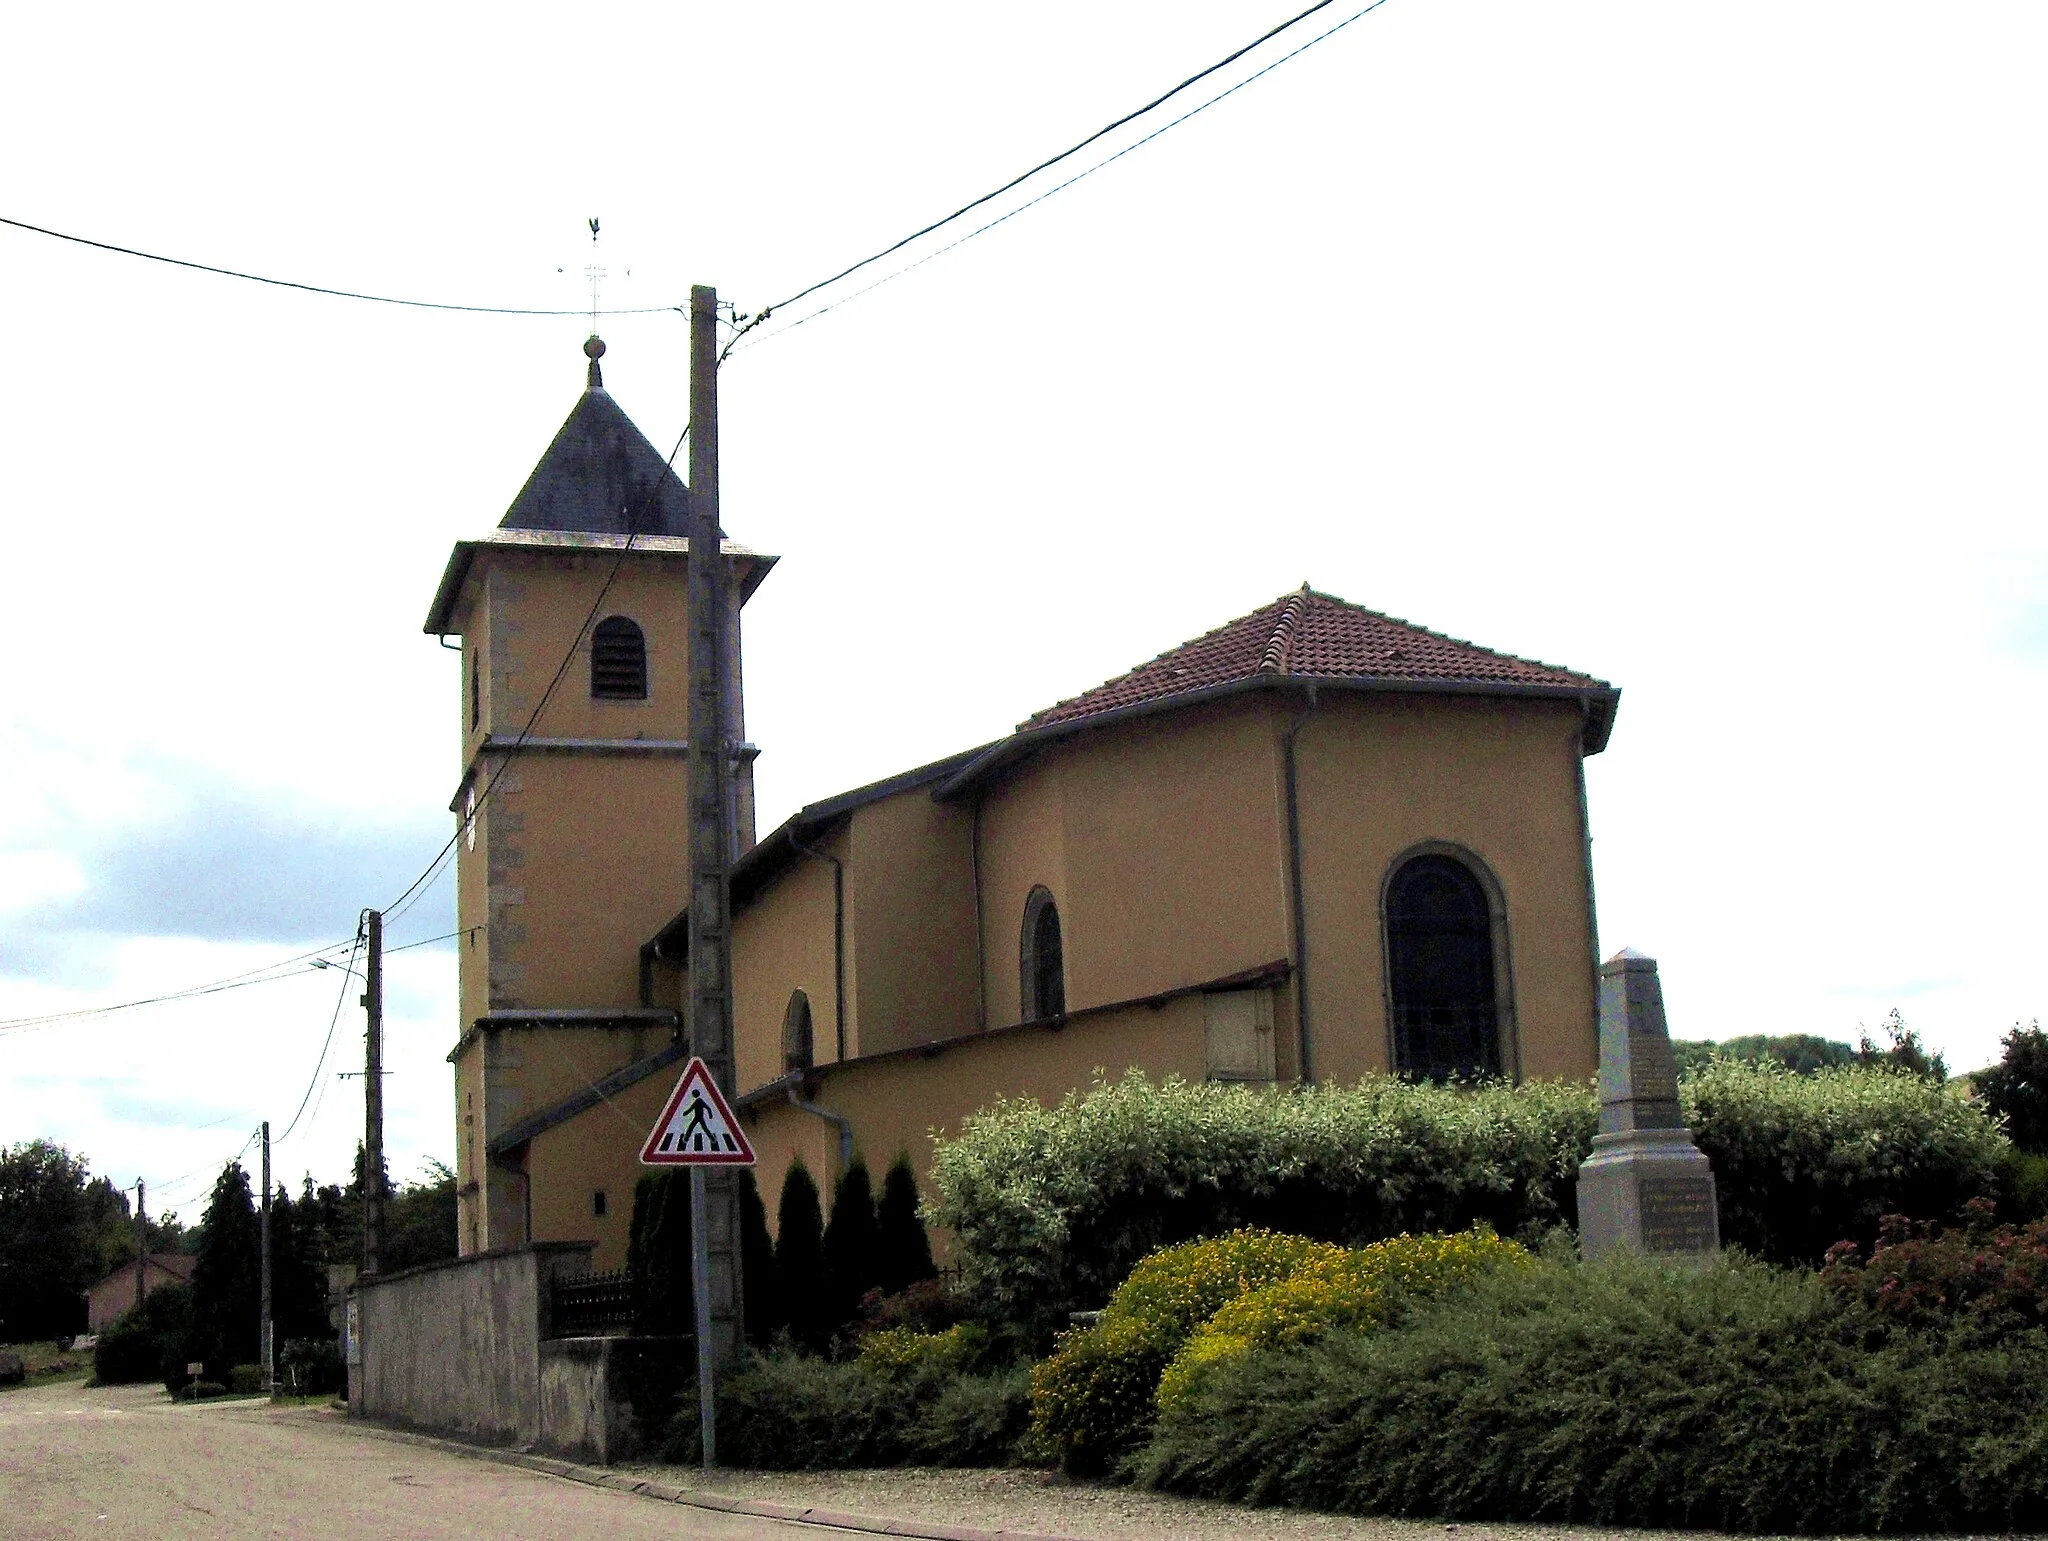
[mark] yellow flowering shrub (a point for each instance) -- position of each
(903, 1351)
(1095, 1395)
(1334, 1289)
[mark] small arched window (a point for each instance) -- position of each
(1440, 971)
(1044, 963)
(476, 688)
(797, 1050)
(618, 660)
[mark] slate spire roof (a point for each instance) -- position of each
(1308, 635)
(600, 476)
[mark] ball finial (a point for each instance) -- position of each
(594, 348)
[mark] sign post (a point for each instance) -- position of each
(697, 1129)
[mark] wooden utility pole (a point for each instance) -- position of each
(263, 1311)
(714, 1210)
(373, 1093)
(141, 1244)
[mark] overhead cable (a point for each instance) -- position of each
(1058, 187)
(340, 294)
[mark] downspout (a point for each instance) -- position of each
(980, 930)
(1297, 901)
(1586, 863)
(840, 1120)
(838, 943)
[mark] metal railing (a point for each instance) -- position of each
(592, 1305)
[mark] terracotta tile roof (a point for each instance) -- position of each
(1309, 635)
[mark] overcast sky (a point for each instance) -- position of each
(1696, 347)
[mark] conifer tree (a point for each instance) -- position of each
(227, 1278)
(852, 1245)
(800, 1259)
(765, 1313)
(905, 1249)
(658, 1255)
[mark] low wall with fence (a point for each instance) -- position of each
(523, 1346)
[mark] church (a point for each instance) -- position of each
(1314, 843)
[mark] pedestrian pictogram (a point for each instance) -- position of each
(697, 1126)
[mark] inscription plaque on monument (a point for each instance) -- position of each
(1678, 1214)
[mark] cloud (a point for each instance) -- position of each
(233, 866)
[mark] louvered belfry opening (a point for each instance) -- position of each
(1440, 957)
(618, 660)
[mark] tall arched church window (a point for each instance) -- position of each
(797, 1049)
(1440, 970)
(1044, 961)
(618, 660)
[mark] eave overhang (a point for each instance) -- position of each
(1597, 703)
(753, 565)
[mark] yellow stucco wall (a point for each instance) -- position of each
(1175, 858)
(597, 1150)
(896, 1104)
(781, 944)
(910, 899)
(1379, 775)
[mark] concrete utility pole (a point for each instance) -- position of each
(714, 1210)
(373, 1093)
(263, 1312)
(141, 1245)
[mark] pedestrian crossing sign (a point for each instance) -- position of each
(697, 1126)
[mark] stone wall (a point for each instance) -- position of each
(609, 1399)
(456, 1347)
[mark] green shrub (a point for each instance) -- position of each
(1804, 1161)
(148, 1344)
(1334, 1290)
(1051, 1208)
(2016, 1088)
(247, 1380)
(1629, 1393)
(310, 1366)
(1094, 1397)
(203, 1389)
(2022, 1185)
(792, 1412)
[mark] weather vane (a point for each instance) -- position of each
(596, 276)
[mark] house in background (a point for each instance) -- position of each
(1315, 843)
(118, 1291)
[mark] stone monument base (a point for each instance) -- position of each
(1650, 1191)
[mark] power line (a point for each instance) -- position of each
(284, 968)
(269, 973)
(347, 973)
(340, 294)
(897, 273)
(1048, 164)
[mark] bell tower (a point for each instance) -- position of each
(570, 805)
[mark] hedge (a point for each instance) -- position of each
(900, 1406)
(1627, 1393)
(1051, 1208)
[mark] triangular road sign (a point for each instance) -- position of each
(696, 1127)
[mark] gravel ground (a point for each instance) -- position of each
(1050, 1504)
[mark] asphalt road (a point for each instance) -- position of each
(124, 1464)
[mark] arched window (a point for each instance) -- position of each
(476, 687)
(1044, 964)
(618, 660)
(1440, 970)
(797, 1051)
